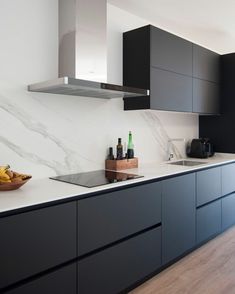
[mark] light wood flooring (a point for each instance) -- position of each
(208, 270)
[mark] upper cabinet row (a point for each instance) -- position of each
(181, 76)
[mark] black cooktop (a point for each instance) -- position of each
(96, 178)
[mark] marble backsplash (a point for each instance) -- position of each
(46, 134)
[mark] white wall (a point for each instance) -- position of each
(46, 134)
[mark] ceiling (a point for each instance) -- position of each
(209, 23)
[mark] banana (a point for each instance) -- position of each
(4, 177)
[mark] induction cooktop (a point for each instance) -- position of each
(96, 178)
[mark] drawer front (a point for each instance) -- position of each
(208, 221)
(178, 216)
(120, 266)
(62, 281)
(228, 211)
(208, 185)
(171, 52)
(228, 179)
(35, 241)
(113, 216)
(170, 91)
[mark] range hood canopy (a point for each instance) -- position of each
(83, 54)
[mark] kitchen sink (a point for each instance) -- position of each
(187, 163)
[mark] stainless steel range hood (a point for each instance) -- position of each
(83, 53)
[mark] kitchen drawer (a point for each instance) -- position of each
(115, 215)
(208, 221)
(116, 268)
(34, 241)
(228, 178)
(178, 216)
(228, 211)
(208, 185)
(62, 281)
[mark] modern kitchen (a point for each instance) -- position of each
(117, 171)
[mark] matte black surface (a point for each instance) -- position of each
(118, 267)
(228, 211)
(220, 129)
(62, 281)
(208, 221)
(171, 52)
(208, 185)
(170, 91)
(35, 241)
(96, 178)
(136, 58)
(113, 216)
(137, 103)
(178, 216)
(228, 179)
(148, 50)
(206, 97)
(206, 64)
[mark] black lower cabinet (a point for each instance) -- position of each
(178, 216)
(228, 211)
(110, 217)
(208, 221)
(62, 281)
(35, 241)
(116, 268)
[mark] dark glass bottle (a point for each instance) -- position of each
(110, 155)
(119, 149)
(130, 147)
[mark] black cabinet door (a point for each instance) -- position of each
(208, 185)
(208, 221)
(206, 97)
(115, 215)
(62, 281)
(116, 268)
(178, 216)
(228, 211)
(206, 64)
(35, 241)
(170, 52)
(228, 179)
(170, 91)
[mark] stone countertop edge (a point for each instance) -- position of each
(45, 191)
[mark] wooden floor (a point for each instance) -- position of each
(208, 270)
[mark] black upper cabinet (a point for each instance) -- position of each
(170, 91)
(159, 61)
(205, 97)
(206, 64)
(170, 52)
(181, 76)
(206, 81)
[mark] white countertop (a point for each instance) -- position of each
(42, 191)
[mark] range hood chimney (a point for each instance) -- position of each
(83, 53)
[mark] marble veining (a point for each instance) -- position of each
(160, 134)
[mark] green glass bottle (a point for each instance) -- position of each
(130, 147)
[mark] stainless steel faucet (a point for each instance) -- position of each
(170, 154)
